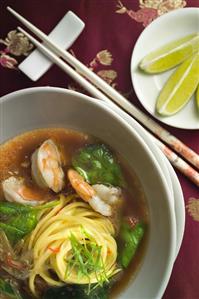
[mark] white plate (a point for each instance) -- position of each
(178, 204)
(166, 28)
(170, 176)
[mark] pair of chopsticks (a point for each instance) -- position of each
(98, 88)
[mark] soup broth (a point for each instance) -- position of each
(16, 160)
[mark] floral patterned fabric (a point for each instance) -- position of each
(105, 46)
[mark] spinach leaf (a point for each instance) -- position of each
(26, 222)
(131, 238)
(97, 164)
(76, 292)
(11, 208)
(12, 233)
(18, 220)
(7, 290)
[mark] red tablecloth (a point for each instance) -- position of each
(106, 44)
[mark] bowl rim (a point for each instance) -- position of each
(99, 103)
(179, 205)
(153, 24)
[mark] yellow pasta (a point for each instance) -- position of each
(53, 250)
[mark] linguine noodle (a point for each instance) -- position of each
(52, 249)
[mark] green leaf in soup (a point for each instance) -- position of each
(8, 290)
(5, 287)
(25, 222)
(131, 239)
(11, 208)
(76, 292)
(97, 164)
(12, 233)
(18, 220)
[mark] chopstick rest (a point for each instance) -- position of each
(64, 34)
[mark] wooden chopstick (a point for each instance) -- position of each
(180, 164)
(146, 121)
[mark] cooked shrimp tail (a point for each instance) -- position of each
(88, 194)
(15, 190)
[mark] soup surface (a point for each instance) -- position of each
(73, 217)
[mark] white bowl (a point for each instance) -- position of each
(177, 198)
(164, 29)
(54, 107)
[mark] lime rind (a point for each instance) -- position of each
(171, 54)
(179, 88)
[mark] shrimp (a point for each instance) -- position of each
(99, 197)
(109, 194)
(15, 190)
(46, 167)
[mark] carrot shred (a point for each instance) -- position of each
(13, 264)
(54, 250)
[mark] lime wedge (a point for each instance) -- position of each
(170, 55)
(197, 97)
(179, 87)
